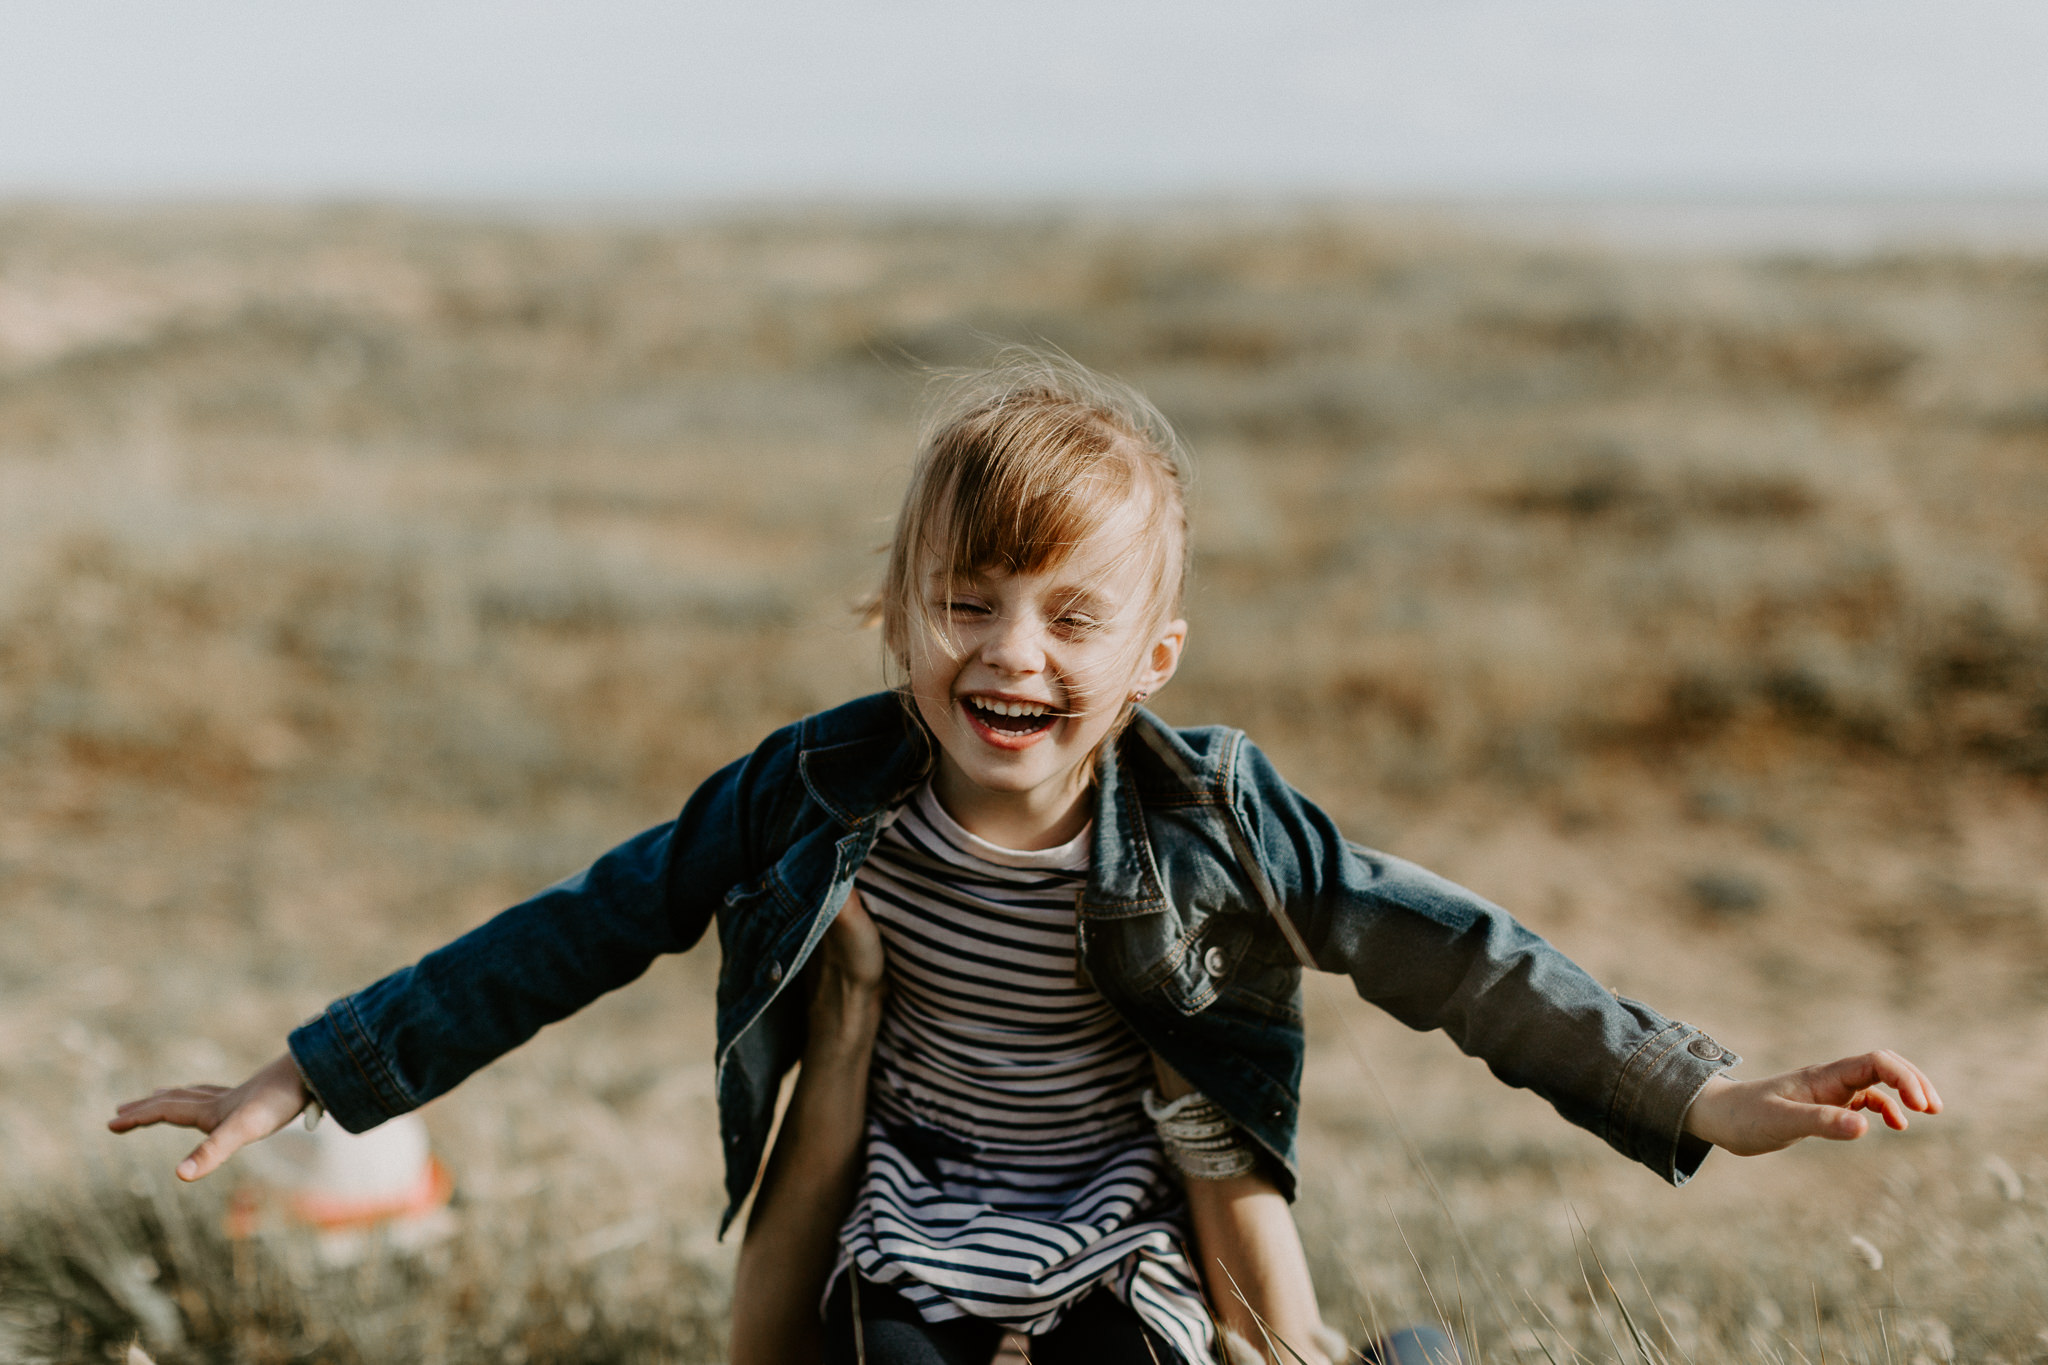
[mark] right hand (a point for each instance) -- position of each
(231, 1119)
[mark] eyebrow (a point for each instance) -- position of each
(1067, 595)
(1087, 599)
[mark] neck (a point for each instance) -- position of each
(1044, 817)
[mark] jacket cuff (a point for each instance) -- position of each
(342, 1069)
(1658, 1085)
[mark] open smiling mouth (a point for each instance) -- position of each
(1011, 719)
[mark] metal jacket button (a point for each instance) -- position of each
(1706, 1049)
(775, 971)
(1214, 962)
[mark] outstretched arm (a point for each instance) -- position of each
(399, 1042)
(417, 1033)
(792, 1233)
(1749, 1118)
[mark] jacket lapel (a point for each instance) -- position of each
(857, 779)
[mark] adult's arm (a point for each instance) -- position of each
(1249, 1253)
(792, 1237)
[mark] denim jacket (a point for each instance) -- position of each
(1211, 884)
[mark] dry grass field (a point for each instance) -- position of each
(363, 570)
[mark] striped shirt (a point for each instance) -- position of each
(1010, 1168)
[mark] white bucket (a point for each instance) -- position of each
(345, 1185)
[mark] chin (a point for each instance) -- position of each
(1011, 779)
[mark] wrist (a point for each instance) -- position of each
(1703, 1117)
(285, 1071)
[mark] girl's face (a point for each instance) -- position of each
(1027, 675)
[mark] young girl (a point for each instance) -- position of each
(1050, 949)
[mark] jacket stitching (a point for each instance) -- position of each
(1141, 838)
(784, 896)
(1169, 961)
(347, 1050)
(1262, 1004)
(364, 1045)
(1620, 1110)
(831, 807)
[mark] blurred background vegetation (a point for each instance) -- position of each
(363, 570)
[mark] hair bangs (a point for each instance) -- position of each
(1024, 497)
(1020, 466)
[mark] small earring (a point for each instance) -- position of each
(1139, 697)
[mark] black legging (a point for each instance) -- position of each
(1100, 1329)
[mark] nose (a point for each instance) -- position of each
(1016, 646)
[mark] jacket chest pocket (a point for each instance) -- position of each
(1231, 958)
(767, 924)
(1198, 965)
(753, 920)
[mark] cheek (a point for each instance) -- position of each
(932, 663)
(936, 709)
(1103, 677)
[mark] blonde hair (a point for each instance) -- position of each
(1017, 465)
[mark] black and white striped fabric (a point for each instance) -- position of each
(1010, 1168)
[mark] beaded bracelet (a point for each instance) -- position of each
(1200, 1139)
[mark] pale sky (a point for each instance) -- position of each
(667, 100)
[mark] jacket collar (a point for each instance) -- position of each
(863, 759)
(1122, 879)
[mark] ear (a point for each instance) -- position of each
(1162, 657)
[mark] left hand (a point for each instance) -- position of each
(1749, 1118)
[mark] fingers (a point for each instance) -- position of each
(190, 1107)
(232, 1119)
(1909, 1080)
(1840, 1082)
(1857, 1084)
(1838, 1125)
(1927, 1090)
(1828, 1101)
(1882, 1102)
(230, 1137)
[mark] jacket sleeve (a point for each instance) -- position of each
(417, 1033)
(1437, 956)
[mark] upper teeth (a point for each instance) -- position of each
(1011, 708)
